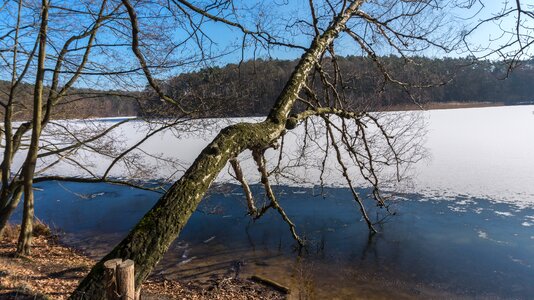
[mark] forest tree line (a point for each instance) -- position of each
(251, 87)
(78, 104)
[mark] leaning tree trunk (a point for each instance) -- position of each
(148, 241)
(26, 230)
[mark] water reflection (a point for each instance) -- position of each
(461, 248)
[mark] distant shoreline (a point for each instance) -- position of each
(444, 105)
(395, 107)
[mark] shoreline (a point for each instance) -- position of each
(444, 105)
(394, 107)
(54, 270)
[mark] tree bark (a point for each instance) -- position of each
(151, 237)
(26, 230)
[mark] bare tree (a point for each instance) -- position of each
(313, 95)
(22, 183)
(54, 47)
(508, 26)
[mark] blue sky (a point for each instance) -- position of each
(459, 19)
(279, 15)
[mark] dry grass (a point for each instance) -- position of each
(439, 105)
(51, 271)
(11, 232)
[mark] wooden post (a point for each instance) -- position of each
(125, 280)
(119, 280)
(110, 280)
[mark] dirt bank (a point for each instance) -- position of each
(53, 272)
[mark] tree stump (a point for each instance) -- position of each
(120, 280)
(110, 281)
(125, 280)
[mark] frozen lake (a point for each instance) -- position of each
(463, 226)
(478, 152)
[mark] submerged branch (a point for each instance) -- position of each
(259, 158)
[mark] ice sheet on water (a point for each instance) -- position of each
(482, 152)
(474, 153)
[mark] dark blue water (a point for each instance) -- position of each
(429, 248)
